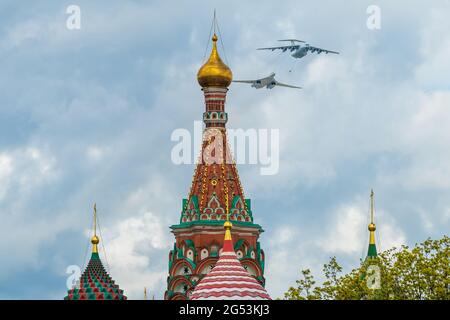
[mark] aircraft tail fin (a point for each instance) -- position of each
(292, 40)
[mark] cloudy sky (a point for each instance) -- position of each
(86, 116)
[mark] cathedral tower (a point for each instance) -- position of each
(215, 195)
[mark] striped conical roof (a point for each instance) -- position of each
(228, 280)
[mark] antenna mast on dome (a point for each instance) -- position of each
(214, 25)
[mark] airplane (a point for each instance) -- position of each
(268, 82)
(299, 50)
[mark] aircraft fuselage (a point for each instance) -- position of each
(268, 82)
(300, 52)
(258, 84)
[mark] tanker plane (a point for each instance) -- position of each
(298, 49)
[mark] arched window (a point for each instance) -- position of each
(250, 270)
(207, 268)
(204, 253)
(182, 270)
(190, 254)
(181, 287)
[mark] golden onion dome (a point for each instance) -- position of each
(214, 73)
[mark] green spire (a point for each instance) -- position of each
(372, 251)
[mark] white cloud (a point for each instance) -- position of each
(134, 247)
(347, 233)
(35, 167)
(388, 234)
(25, 169)
(22, 239)
(5, 172)
(95, 153)
(434, 68)
(30, 30)
(284, 257)
(424, 136)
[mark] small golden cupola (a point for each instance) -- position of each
(214, 73)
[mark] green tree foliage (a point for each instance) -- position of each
(420, 273)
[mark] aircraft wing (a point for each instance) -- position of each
(256, 80)
(245, 81)
(284, 48)
(286, 85)
(320, 50)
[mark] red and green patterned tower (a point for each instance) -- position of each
(216, 192)
(95, 283)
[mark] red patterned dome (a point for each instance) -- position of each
(228, 280)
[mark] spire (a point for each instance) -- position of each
(214, 73)
(145, 293)
(95, 240)
(95, 283)
(216, 188)
(228, 241)
(372, 251)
